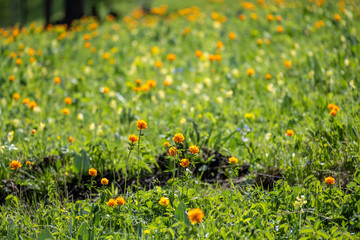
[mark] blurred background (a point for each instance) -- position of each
(64, 11)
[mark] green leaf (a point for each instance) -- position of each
(82, 233)
(82, 163)
(45, 235)
(307, 230)
(139, 231)
(180, 213)
(323, 234)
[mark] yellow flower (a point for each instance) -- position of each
(233, 160)
(179, 138)
(194, 149)
(111, 203)
(289, 133)
(65, 111)
(15, 165)
(195, 215)
(166, 144)
(250, 72)
(164, 201)
(11, 78)
(172, 152)
(250, 116)
(133, 138)
(141, 124)
(104, 181)
(120, 201)
(185, 163)
(92, 172)
(330, 180)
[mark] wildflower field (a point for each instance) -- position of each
(202, 119)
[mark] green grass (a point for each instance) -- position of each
(207, 102)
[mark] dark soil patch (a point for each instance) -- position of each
(214, 168)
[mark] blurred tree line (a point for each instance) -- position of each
(63, 11)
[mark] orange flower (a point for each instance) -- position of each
(179, 138)
(71, 139)
(333, 112)
(87, 37)
(167, 82)
(16, 96)
(172, 152)
(151, 83)
(133, 138)
(65, 111)
(68, 100)
(166, 144)
(289, 133)
(141, 124)
(164, 201)
(145, 88)
(32, 104)
(11, 78)
(18, 61)
(195, 215)
(87, 45)
(250, 72)
(171, 57)
(232, 36)
(33, 132)
(198, 53)
(194, 149)
(337, 17)
(26, 101)
(233, 160)
(57, 80)
(278, 18)
(106, 55)
(105, 90)
(279, 29)
(28, 163)
(330, 180)
(268, 76)
(138, 81)
(92, 172)
(15, 165)
(331, 106)
(158, 64)
(111, 203)
(287, 64)
(120, 201)
(270, 17)
(104, 181)
(242, 17)
(259, 41)
(185, 163)
(219, 44)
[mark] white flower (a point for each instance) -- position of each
(80, 117)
